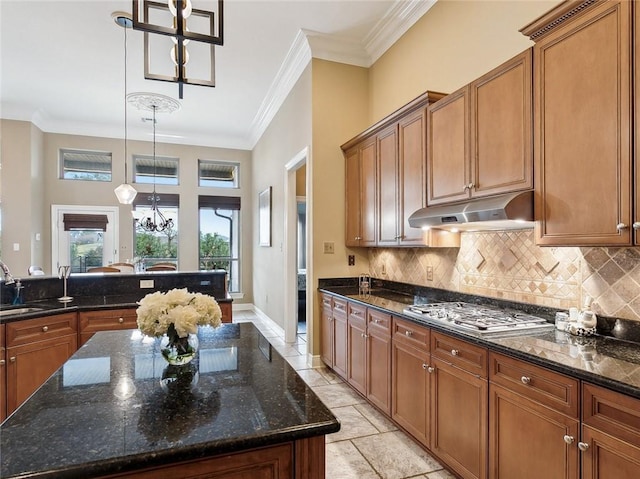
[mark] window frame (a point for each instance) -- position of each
(62, 170)
(236, 182)
(154, 177)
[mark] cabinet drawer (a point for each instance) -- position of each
(379, 321)
(325, 301)
(549, 388)
(357, 314)
(410, 333)
(94, 321)
(462, 354)
(339, 308)
(611, 412)
(31, 330)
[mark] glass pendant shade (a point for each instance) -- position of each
(125, 193)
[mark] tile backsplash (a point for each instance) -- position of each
(508, 265)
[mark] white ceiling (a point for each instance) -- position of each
(62, 64)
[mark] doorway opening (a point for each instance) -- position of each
(297, 248)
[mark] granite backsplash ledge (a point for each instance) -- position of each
(113, 284)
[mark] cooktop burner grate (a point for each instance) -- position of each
(477, 318)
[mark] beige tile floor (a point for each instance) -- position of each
(368, 446)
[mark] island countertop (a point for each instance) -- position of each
(115, 406)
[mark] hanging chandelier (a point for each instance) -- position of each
(153, 220)
(176, 23)
(159, 223)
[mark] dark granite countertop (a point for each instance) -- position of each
(602, 360)
(109, 410)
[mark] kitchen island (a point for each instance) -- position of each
(116, 409)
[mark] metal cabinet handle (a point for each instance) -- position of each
(357, 238)
(424, 366)
(121, 320)
(471, 185)
(408, 333)
(583, 446)
(2, 362)
(465, 187)
(568, 439)
(431, 369)
(399, 237)
(455, 352)
(525, 380)
(621, 226)
(45, 329)
(636, 225)
(377, 321)
(12, 359)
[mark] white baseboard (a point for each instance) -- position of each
(314, 361)
(272, 324)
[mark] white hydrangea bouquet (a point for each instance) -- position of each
(175, 316)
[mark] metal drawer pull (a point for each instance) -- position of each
(431, 369)
(12, 359)
(45, 329)
(525, 380)
(583, 446)
(408, 333)
(455, 352)
(568, 439)
(121, 320)
(636, 225)
(621, 226)
(377, 321)
(2, 362)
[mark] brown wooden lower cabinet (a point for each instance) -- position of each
(410, 381)
(357, 347)
(610, 441)
(3, 376)
(36, 348)
(533, 421)
(302, 459)
(378, 363)
(459, 411)
(340, 357)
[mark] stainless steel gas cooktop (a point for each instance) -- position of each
(481, 319)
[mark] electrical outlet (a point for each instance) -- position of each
(429, 273)
(383, 269)
(352, 260)
(329, 247)
(146, 283)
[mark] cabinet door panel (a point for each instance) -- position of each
(459, 419)
(501, 135)
(608, 457)
(388, 187)
(413, 181)
(379, 369)
(326, 339)
(526, 439)
(369, 184)
(448, 149)
(357, 355)
(352, 198)
(582, 129)
(410, 390)
(30, 365)
(340, 358)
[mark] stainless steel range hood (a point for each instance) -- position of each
(507, 211)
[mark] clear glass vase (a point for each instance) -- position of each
(178, 351)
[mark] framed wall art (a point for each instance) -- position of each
(264, 215)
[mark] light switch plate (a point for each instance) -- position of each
(329, 247)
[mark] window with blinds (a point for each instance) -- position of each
(218, 174)
(163, 172)
(85, 165)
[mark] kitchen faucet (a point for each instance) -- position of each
(8, 278)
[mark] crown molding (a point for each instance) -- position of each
(401, 16)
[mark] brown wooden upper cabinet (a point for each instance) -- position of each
(582, 123)
(386, 178)
(479, 137)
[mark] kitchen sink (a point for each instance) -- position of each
(23, 310)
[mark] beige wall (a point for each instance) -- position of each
(340, 111)
(287, 135)
(451, 45)
(21, 202)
